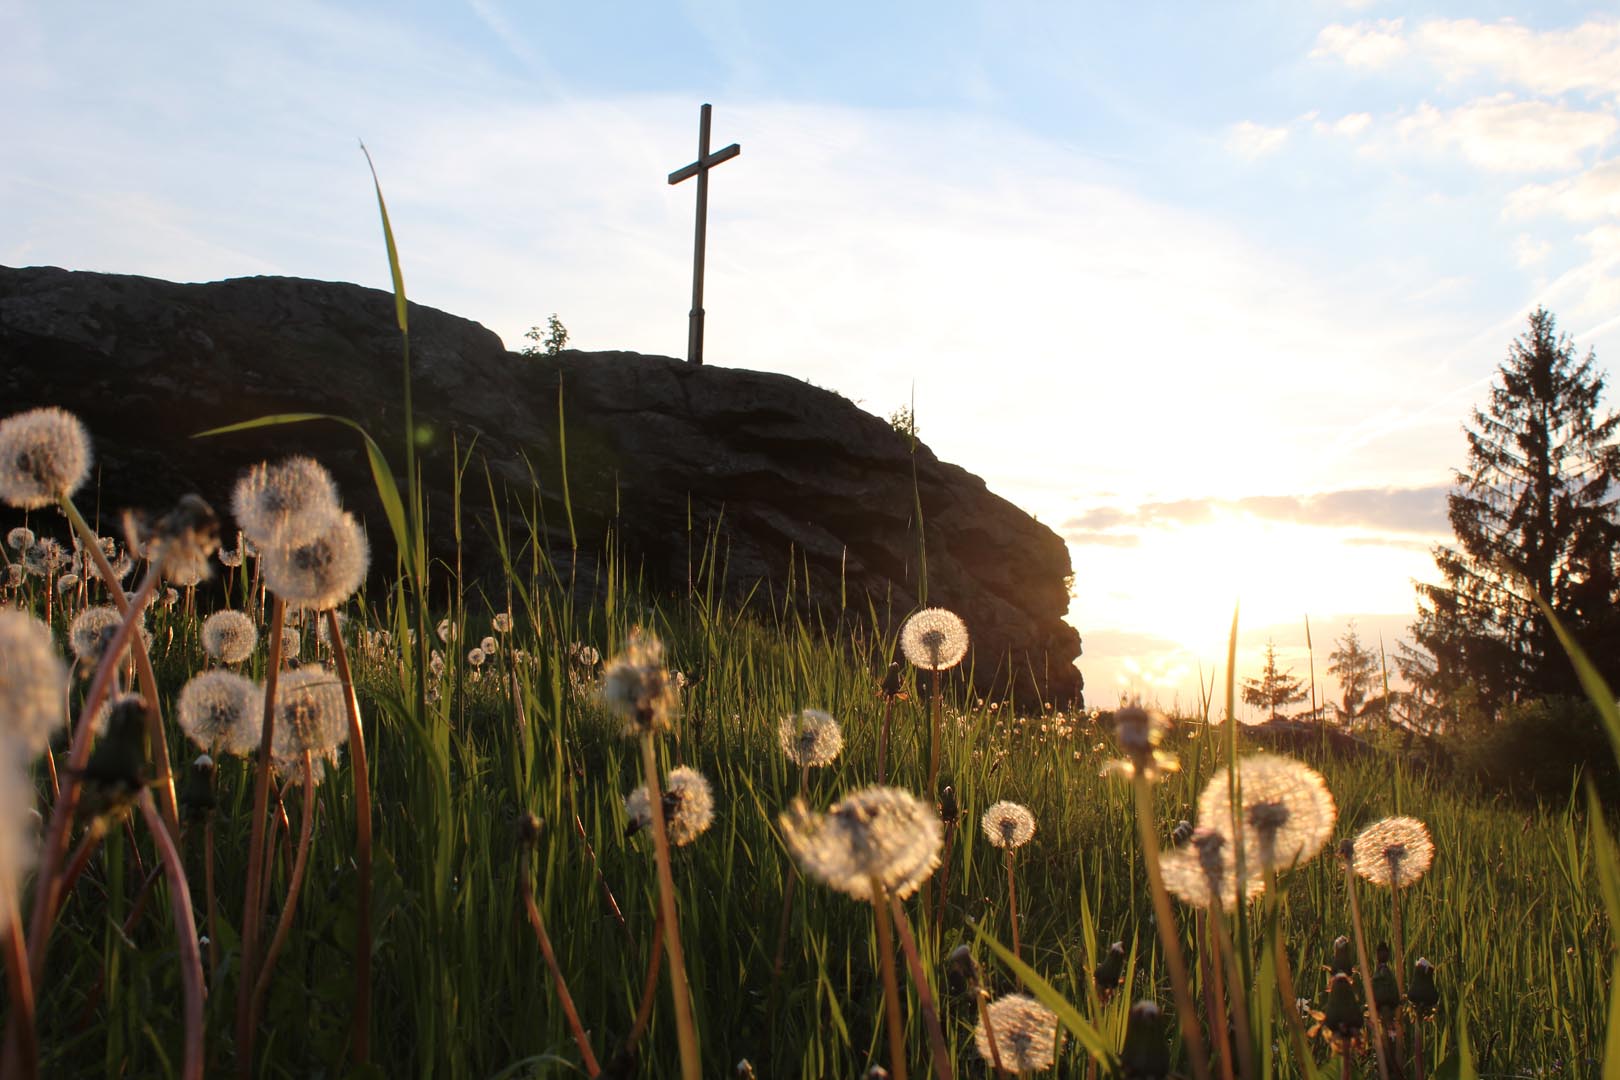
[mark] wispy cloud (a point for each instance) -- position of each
(1362, 45)
(1411, 510)
(1591, 195)
(1504, 134)
(1251, 141)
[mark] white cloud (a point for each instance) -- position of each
(1586, 196)
(1364, 45)
(1586, 57)
(1251, 140)
(1503, 134)
(1530, 250)
(1352, 125)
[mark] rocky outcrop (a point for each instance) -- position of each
(805, 497)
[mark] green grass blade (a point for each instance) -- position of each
(1088, 1036)
(393, 252)
(1596, 687)
(381, 475)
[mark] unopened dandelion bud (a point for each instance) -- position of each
(197, 799)
(1386, 992)
(1343, 1018)
(961, 970)
(1421, 991)
(1110, 971)
(118, 768)
(44, 456)
(1343, 961)
(528, 828)
(1146, 1053)
(890, 687)
(188, 536)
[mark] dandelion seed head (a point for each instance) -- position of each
(324, 570)
(67, 583)
(1026, 1034)
(93, 630)
(489, 646)
(1008, 825)
(475, 657)
(584, 655)
(33, 682)
(19, 538)
(637, 688)
(1396, 851)
(310, 715)
(292, 642)
(877, 834)
(502, 622)
(934, 639)
(230, 559)
(688, 805)
(44, 456)
(45, 557)
(1205, 871)
(285, 504)
(222, 712)
(1287, 812)
(229, 636)
(810, 738)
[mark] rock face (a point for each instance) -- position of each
(806, 498)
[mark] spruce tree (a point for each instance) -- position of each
(1534, 514)
(1273, 689)
(1356, 668)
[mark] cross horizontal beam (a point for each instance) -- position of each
(712, 160)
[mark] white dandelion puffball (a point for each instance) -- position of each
(229, 636)
(876, 836)
(222, 712)
(324, 570)
(811, 738)
(637, 688)
(1026, 1034)
(1395, 851)
(311, 714)
(1205, 871)
(93, 630)
(502, 622)
(1008, 825)
(688, 805)
(1287, 812)
(292, 642)
(20, 538)
(33, 682)
(475, 657)
(934, 639)
(44, 456)
(285, 504)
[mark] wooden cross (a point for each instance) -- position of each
(700, 169)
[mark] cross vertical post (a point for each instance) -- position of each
(700, 169)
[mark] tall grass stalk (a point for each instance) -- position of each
(679, 991)
(1164, 920)
(360, 766)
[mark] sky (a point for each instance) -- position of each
(1209, 289)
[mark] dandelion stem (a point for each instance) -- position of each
(1209, 960)
(883, 741)
(21, 992)
(208, 897)
(1285, 983)
(1366, 971)
(48, 888)
(289, 907)
(1395, 902)
(1240, 1002)
(81, 858)
(360, 766)
(1164, 918)
(164, 780)
(1012, 905)
(649, 985)
(566, 1000)
(185, 931)
(891, 985)
(261, 805)
(685, 1029)
(925, 993)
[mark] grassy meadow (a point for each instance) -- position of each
(1510, 914)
